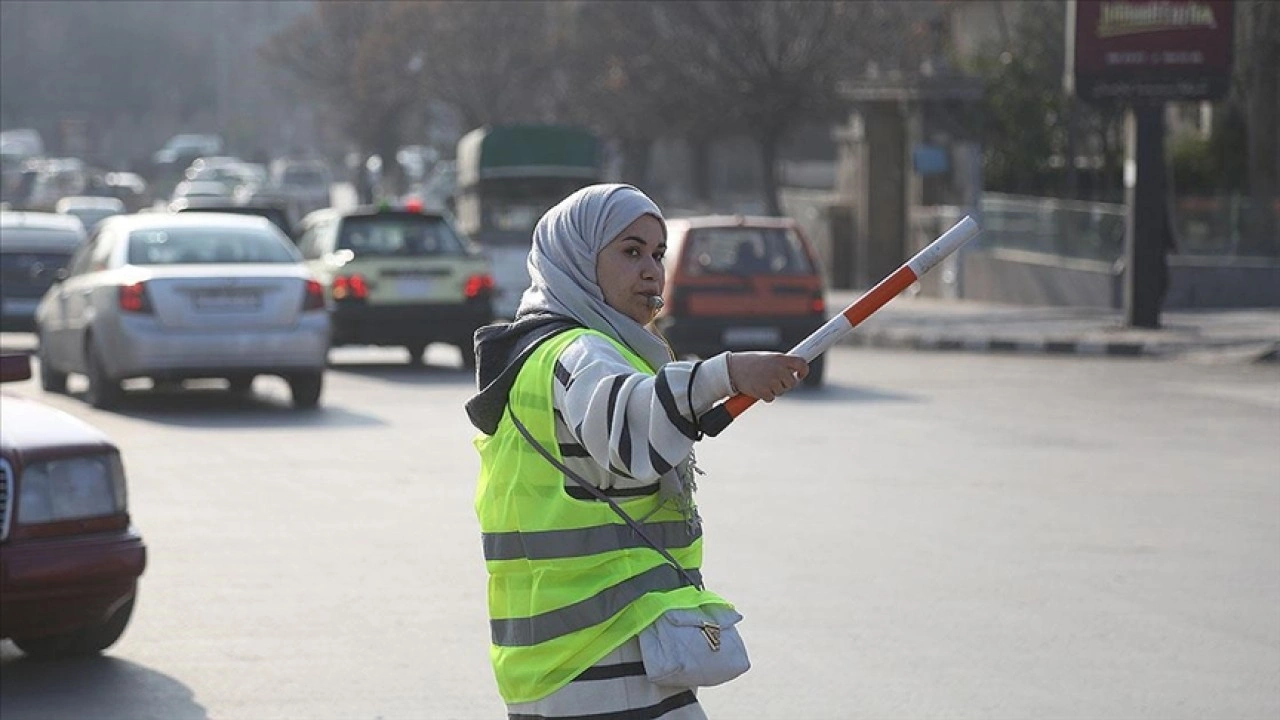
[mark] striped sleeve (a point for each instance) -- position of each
(637, 426)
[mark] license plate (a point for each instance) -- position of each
(227, 301)
(752, 337)
(413, 288)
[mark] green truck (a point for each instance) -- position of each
(507, 177)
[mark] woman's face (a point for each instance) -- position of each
(629, 269)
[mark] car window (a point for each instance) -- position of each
(745, 251)
(277, 217)
(202, 245)
(304, 176)
(399, 236)
(39, 237)
(23, 266)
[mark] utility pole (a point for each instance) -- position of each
(1146, 222)
(1145, 53)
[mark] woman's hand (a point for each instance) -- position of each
(765, 375)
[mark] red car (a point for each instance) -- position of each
(69, 557)
(741, 283)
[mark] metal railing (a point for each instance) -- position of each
(1203, 227)
(1068, 228)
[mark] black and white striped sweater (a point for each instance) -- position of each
(620, 429)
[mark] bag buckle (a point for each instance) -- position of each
(711, 632)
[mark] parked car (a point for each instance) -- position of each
(173, 297)
(89, 208)
(69, 554)
(741, 283)
(33, 248)
(398, 277)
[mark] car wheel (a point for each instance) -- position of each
(417, 353)
(51, 380)
(305, 388)
(103, 393)
(87, 641)
(240, 384)
(816, 370)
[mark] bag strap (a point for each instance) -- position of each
(601, 496)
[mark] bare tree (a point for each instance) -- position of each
(762, 68)
(364, 62)
(626, 84)
(98, 61)
(494, 61)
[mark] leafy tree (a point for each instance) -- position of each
(1028, 118)
(1035, 128)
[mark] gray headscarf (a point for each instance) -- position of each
(562, 263)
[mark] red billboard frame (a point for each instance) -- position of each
(1150, 50)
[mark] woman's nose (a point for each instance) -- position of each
(652, 269)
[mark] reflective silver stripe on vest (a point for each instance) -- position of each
(551, 544)
(523, 632)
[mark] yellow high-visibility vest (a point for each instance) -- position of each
(569, 582)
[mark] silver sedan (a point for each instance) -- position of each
(175, 297)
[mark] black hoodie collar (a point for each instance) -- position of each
(501, 350)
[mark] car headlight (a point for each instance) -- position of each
(71, 489)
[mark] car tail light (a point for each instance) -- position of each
(818, 305)
(478, 286)
(350, 287)
(134, 298)
(314, 299)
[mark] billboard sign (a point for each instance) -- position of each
(1150, 50)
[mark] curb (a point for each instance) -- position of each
(1044, 346)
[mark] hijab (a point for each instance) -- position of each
(562, 264)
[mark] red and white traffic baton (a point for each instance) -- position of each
(821, 340)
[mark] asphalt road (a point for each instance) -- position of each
(930, 536)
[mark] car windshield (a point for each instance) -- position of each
(304, 176)
(91, 216)
(746, 251)
(31, 264)
(277, 216)
(56, 240)
(204, 245)
(404, 235)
